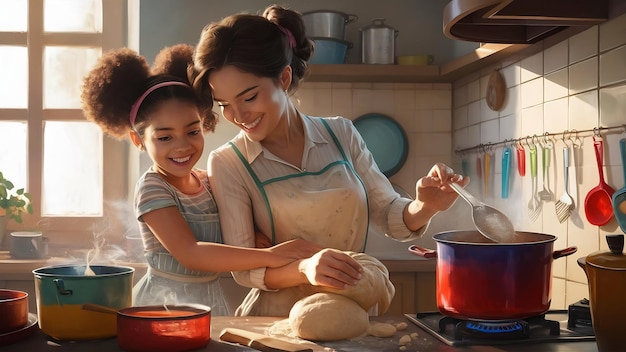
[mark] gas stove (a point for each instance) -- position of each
(553, 326)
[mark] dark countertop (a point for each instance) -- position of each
(39, 342)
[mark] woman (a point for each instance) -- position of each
(160, 113)
(293, 175)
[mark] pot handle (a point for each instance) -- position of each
(564, 252)
(61, 287)
(351, 18)
(423, 252)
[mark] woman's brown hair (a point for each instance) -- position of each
(261, 45)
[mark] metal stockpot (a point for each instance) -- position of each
(327, 24)
(378, 43)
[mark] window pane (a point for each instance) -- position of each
(86, 16)
(13, 163)
(14, 73)
(72, 169)
(13, 16)
(64, 69)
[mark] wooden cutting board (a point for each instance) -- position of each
(363, 343)
(262, 342)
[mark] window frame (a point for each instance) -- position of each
(116, 185)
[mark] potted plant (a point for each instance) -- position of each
(13, 203)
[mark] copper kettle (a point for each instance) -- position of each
(606, 275)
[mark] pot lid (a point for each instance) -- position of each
(613, 259)
(378, 23)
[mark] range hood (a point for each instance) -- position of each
(519, 21)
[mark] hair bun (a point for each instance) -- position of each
(174, 60)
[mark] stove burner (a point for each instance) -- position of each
(515, 329)
(551, 326)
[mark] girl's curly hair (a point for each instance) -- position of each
(121, 76)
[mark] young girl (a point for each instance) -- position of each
(177, 215)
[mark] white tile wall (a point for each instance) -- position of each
(577, 84)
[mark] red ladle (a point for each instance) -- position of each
(598, 206)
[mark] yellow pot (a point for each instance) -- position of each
(61, 292)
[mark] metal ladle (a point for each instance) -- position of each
(489, 221)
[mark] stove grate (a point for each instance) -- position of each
(548, 327)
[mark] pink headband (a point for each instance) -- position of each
(135, 107)
(292, 40)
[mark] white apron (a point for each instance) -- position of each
(327, 206)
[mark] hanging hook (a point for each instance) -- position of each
(577, 142)
(596, 134)
(526, 140)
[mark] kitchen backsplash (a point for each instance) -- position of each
(577, 84)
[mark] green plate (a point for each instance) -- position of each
(385, 139)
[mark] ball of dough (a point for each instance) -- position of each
(328, 317)
(373, 288)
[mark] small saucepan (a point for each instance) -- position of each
(13, 310)
(161, 328)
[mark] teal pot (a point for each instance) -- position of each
(329, 51)
(62, 290)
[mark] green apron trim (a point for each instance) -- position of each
(307, 173)
(367, 199)
(260, 184)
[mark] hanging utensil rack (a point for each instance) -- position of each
(576, 134)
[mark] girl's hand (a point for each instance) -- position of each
(332, 268)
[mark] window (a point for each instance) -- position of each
(74, 173)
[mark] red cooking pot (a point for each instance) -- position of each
(482, 280)
(157, 328)
(171, 328)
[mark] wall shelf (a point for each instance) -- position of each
(446, 72)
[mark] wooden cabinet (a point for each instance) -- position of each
(415, 292)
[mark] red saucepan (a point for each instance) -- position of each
(482, 280)
(168, 328)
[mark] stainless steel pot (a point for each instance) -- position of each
(327, 24)
(378, 43)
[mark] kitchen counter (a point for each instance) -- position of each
(21, 269)
(424, 342)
